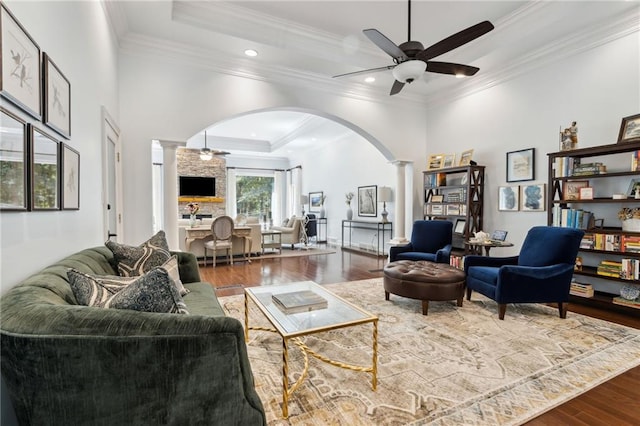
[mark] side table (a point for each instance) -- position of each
(271, 239)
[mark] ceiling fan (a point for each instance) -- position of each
(207, 154)
(412, 59)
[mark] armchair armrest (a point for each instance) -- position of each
(534, 284)
(495, 262)
(442, 255)
(394, 251)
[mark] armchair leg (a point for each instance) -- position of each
(562, 309)
(386, 295)
(468, 293)
(502, 309)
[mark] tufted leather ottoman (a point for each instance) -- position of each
(424, 281)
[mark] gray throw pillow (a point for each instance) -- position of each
(134, 261)
(152, 292)
(93, 290)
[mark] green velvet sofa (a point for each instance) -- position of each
(64, 363)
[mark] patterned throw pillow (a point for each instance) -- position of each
(171, 266)
(135, 261)
(152, 292)
(93, 290)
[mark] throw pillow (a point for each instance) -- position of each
(171, 266)
(152, 292)
(135, 261)
(92, 290)
(291, 222)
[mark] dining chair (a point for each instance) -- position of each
(221, 231)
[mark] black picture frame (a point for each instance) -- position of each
(70, 178)
(459, 227)
(20, 71)
(315, 201)
(45, 170)
(368, 201)
(14, 150)
(57, 98)
(629, 129)
(521, 165)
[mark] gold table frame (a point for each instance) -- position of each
(295, 336)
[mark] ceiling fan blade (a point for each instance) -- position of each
(456, 40)
(451, 68)
(385, 44)
(388, 67)
(396, 88)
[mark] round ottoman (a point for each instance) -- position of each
(424, 281)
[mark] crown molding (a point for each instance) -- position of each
(589, 38)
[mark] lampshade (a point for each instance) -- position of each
(304, 199)
(408, 71)
(384, 194)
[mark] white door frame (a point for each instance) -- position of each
(111, 132)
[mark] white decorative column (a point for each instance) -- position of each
(400, 214)
(170, 196)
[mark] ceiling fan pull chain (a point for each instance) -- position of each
(409, 23)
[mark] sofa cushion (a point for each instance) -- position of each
(92, 290)
(291, 221)
(135, 261)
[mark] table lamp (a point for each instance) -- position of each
(304, 199)
(384, 195)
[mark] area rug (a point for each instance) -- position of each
(456, 366)
(297, 252)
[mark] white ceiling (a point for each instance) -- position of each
(310, 41)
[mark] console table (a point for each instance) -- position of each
(380, 229)
(203, 232)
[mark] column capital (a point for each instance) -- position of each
(171, 144)
(401, 163)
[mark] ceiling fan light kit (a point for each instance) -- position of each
(408, 71)
(412, 59)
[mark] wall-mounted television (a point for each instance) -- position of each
(197, 186)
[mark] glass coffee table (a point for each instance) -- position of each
(339, 313)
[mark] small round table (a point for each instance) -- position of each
(488, 244)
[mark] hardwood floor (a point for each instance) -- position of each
(616, 402)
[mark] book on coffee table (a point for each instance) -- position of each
(299, 301)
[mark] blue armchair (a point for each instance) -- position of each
(430, 240)
(540, 274)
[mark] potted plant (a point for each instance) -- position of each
(630, 218)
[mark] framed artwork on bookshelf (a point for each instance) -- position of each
(465, 158)
(435, 161)
(629, 129)
(521, 165)
(586, 193)
(633, 185)
(532, 197)
(449, 160)
(571, 189)
(459, 227)
(509, 198)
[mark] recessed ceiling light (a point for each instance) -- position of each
(460, 76)
(251, 52)
(370, 79)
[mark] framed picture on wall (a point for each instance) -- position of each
(367, 200)
(45, 163)
(315, 201)
(508, 198)
(14, 181)
(521, 165)
(57, 98)
(20, 79)
(70, 159)
(532, 198)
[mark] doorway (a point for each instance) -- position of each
(111, 178)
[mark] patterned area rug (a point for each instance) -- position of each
(456, 366)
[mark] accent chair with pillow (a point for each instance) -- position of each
(430, 240)
(82, 345)
(290, 232)
(541, 273)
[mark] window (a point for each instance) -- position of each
(254, 196)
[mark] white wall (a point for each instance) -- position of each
(77, 37)
(596, 89)
(163, 98)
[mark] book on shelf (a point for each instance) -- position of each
(299, 301)
(626, 302)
